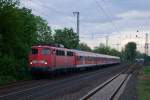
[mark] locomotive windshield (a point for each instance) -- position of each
(34, 51)
(45, 51)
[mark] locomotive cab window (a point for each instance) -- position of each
(45, 51)
(60, 53)
(69, 53)
(34, 51)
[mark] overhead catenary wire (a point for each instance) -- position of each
(107, 15)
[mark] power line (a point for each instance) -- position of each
(110, 13)
(102, 9)
(116, 26)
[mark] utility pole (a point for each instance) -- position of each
(146, 44)
(107, 38)
(92, 36)
(78, 21)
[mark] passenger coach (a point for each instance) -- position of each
(47, 58)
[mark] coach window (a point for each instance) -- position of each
(86, 58)
(63, 53)
(57, 52)
(94, 58)
(89, 58)
(81, 58)
(99, 59)
(78, 58)
(45, 51)
(69, 53)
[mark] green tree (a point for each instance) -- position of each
(18, 31)
(84, 47)
(102, 49)
(115, 52)
(130, 52)
(44, 32)
(67, 37)
(17, 28)
(5, 8)
(140, 55)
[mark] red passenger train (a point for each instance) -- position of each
(47, 58)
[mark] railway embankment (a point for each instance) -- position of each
(78, 85)
(138, 87)
(144, 83)
(67, 88)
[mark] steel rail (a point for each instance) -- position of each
(95, 90)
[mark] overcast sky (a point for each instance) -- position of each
(118, 18)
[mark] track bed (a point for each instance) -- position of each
(67, 87)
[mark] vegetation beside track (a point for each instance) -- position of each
(19, 30)
(144, 84)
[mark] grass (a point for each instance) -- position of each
(147, 71)
(144, 85)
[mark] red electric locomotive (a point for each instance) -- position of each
(46, 58)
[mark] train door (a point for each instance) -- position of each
(66, 60)
(70, 59)
(53, 58)
(75, 59)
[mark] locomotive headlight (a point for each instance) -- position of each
(45, 63)
(31, 63)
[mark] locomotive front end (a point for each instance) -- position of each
(39, 59)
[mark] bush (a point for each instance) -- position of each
(12, 69)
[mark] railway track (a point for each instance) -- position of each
(44, 90)
(110, 89)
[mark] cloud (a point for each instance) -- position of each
(134, 14)
(127, 16)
